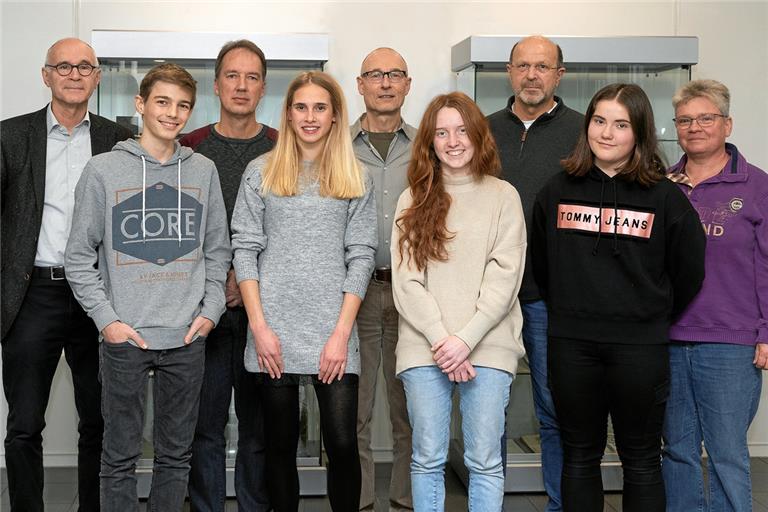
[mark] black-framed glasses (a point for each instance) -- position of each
(65, 68)
(704, 120)
(394, 75)
(541, 69)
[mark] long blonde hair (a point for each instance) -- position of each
(340, 174)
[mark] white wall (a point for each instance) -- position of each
(733, 48)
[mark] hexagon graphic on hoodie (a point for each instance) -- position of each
(164, 212)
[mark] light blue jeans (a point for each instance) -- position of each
(535, 341)
(713, 397)
(482, 402)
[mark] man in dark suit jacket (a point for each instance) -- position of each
(43, 155)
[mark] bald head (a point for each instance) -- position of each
(544, 44)
(383, 53)
(69, 46)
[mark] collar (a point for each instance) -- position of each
(404, 128)
(51, 122)
(543, 117)
(734, 169)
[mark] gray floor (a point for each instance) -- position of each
(61, 493)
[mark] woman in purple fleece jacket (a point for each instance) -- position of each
(721, 340)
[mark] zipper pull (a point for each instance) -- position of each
(523, 136)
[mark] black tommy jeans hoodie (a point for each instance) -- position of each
(615, 260)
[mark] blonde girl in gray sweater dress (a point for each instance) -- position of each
(304, 235)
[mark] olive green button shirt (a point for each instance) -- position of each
(390, 176)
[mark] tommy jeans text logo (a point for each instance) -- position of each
(158, 241)
(626, 222)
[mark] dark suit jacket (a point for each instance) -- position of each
(23, 141)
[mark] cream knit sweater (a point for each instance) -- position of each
(473, 295)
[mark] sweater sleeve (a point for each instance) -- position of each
(248, 237)
(409, 287)
(360, 241)
(82, 253)
(217, 252)
(685, 246)
(761, 269)
(503, 272)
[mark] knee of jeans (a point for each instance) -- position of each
(488, 464)
(425, 459)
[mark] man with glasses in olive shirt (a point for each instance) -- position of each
(43, 155)
(240, 79)
(382, 141)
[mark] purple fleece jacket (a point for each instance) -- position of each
(732, 306)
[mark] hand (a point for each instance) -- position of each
(449, 353)
(761, 356)
(232, 291)
(201, 326)
(333, 358)
(268, 351)
(119, 332)
(464, 373)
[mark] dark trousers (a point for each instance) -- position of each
(50, 320)
(224, 370)
(591, 380)
(338, 419)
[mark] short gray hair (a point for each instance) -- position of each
(712, 90)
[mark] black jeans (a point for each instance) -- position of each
(590, 380)
(50, 320)
(338, 424)
(224, 370)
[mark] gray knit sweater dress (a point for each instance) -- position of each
(306, 251)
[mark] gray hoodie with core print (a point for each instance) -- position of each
(149, 244)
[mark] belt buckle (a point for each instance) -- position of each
(55, 272)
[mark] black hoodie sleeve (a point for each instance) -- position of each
(538, 245)
(686, 241)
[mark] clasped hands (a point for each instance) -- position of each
(451, 355)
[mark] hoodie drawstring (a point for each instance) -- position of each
(143, 199)
(178, 200)
(615, 214)
(600, 209)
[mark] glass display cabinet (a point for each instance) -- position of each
(125, 57)
(659, 65)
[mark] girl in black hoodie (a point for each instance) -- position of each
(617, 252)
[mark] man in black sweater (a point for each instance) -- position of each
(232, 143)
(533, 133)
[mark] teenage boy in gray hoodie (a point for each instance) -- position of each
(147, 258)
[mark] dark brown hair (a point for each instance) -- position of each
(246, 45)
(423, 226)
(646, 164)
(168, 73)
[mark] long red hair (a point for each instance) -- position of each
(424, 232)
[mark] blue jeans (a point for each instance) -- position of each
(535, 341)
(176, 389)
(224, 370)
(713, 398)
(482, 402)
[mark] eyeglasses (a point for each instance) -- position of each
(395, 75)
(704, 120)
(65, 68)
(541, 69)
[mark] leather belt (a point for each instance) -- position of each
(383, 274)
(52, 273)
